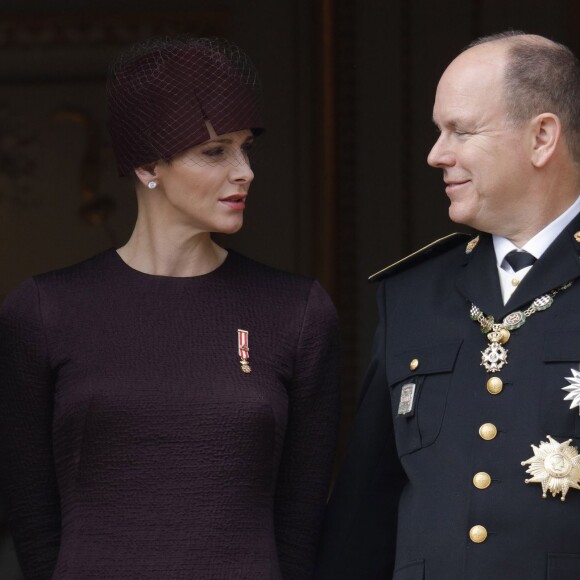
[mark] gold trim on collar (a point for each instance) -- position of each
(416, 253)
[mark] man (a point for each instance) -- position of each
(441, 481)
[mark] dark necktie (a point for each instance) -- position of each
(519, 259)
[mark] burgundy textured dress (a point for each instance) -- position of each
(132, 445)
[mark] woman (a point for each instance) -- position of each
(168, 409)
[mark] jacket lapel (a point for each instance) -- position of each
(559, 264)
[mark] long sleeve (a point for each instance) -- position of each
(27, 474)
(360, 528)
(310, 439)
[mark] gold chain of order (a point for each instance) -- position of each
(488, 323)
(494, 357)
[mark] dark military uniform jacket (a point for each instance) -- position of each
(408, 504)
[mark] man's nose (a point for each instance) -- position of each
(440, 154)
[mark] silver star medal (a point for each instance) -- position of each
(556, 466)
(573, 389)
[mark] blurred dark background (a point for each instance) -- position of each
(342, 186)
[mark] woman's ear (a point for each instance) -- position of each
(148, 174)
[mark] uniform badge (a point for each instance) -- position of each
(471, 245)
(573, 389)
(244, 350)
(406, 400)
(494, 357)
(556, 466)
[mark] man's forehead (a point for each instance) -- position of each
(480, 64)
(467, 76)
(469, 95)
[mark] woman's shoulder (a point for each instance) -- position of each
(80, 271)
(259, 274)
(76, 275)
(278, 286)
(256, 268)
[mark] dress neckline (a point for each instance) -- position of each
(122, 265)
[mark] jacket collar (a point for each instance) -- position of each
(559, 264)
(478, 280)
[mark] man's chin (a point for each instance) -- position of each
(460, 216)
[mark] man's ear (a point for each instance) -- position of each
(147, 173)
(546, 134)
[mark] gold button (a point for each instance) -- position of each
(515, 281)
(414, 364)
(478, 534)
(577, 236)
(482, 480)
(494, 385)
(488, 431)
(504, 335)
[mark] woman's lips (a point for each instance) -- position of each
(237, 202)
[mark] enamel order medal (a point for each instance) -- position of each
(244, 351)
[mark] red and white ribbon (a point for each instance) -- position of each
(244, 350)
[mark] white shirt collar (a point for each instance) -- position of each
(542, 240)
(508, 279)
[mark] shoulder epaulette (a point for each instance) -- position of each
(429, 251)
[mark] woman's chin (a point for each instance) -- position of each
(231, 228)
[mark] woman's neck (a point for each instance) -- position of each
(172, 253)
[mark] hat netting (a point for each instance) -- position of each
(161, 93)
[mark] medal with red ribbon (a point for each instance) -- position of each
(244, 350)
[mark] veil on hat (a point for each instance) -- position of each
(160, 94)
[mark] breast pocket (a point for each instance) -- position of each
(419, 380)
(561, 356)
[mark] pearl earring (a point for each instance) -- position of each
(152, 185)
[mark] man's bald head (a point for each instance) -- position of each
(540, 76)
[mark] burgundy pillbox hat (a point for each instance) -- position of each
(160, 94)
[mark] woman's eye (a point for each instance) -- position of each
(214, 152)
(246, 147)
